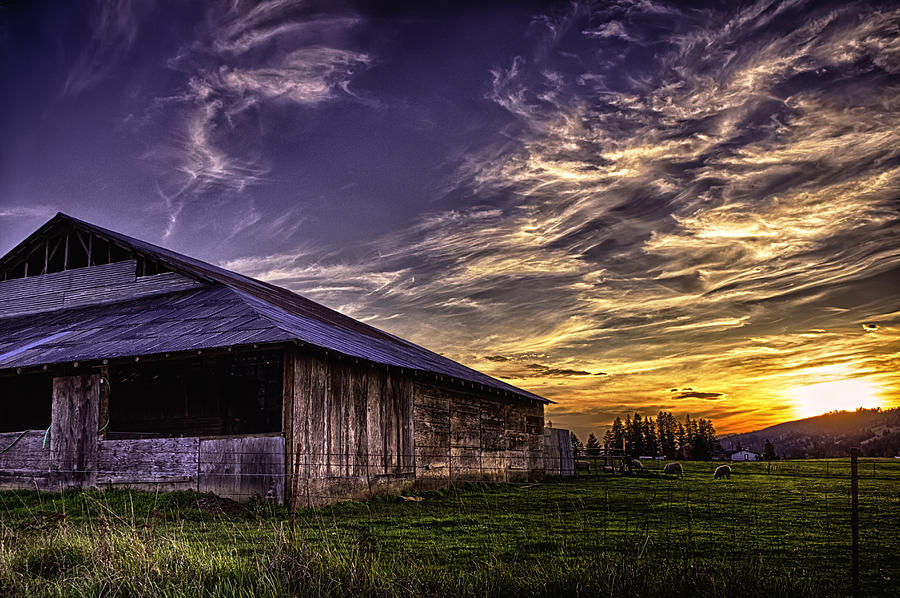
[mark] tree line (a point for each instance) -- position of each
(666, 436)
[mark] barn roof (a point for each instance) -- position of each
(225, 309)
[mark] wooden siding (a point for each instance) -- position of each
(241, 468)
(558, 457)
(26, 464)
(351, 431)
(238, 467)
(461, 436)
(153, 464)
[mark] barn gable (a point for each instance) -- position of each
(65, 249)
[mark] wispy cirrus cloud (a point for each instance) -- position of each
(114, 27)
(252, 58)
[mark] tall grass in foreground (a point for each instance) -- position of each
(111, 552)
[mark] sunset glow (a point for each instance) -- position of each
(839, 395)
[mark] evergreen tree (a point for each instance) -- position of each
(769, 452)
(577, 445)
(637, 435)
(667, 432)
(651, 440)
(608, 438)
(593, 445)
(629, 433)
(702, 440)
(618, 430)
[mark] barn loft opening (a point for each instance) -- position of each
(235, 393)
(69, 248)
(25, 402)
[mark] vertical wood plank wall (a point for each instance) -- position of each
(558, 457)
(351, 434)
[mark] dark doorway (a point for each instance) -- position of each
(25, 402)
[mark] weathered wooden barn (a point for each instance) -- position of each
(125, 364)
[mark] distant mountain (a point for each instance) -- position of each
(875, 431)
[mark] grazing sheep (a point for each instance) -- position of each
(722, 471)
(582, 465)
(675, 469)
(631, 465)
(609, 469)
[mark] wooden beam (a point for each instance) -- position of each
(81, 240)
(66, 254)
(55, 248)
(46, 255)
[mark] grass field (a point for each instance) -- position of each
(778, 533)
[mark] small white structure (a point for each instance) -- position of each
(744, 456)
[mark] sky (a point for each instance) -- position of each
(622, 206)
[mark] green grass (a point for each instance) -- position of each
(775, 533)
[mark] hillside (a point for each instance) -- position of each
(875, 431)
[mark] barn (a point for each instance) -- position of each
(124, 364)
(744, 456)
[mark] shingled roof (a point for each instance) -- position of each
(193, 305)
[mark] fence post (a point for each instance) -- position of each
(854, 518)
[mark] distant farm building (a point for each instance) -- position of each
(744, 456)
(125, 364)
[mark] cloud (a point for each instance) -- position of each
(701, 395)
(544, 370)
(27, 212)
(609, 29)
(498, 358)
(248, 61)
(114, 27)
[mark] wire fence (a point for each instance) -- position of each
(887, 468)
(790, 515)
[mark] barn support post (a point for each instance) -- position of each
(73, 431)
(287, 423)
(103, 417)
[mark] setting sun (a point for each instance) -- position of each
(815, 399)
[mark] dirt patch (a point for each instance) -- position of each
(216, 504)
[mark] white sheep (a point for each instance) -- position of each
(722, 471)
(675, 469)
